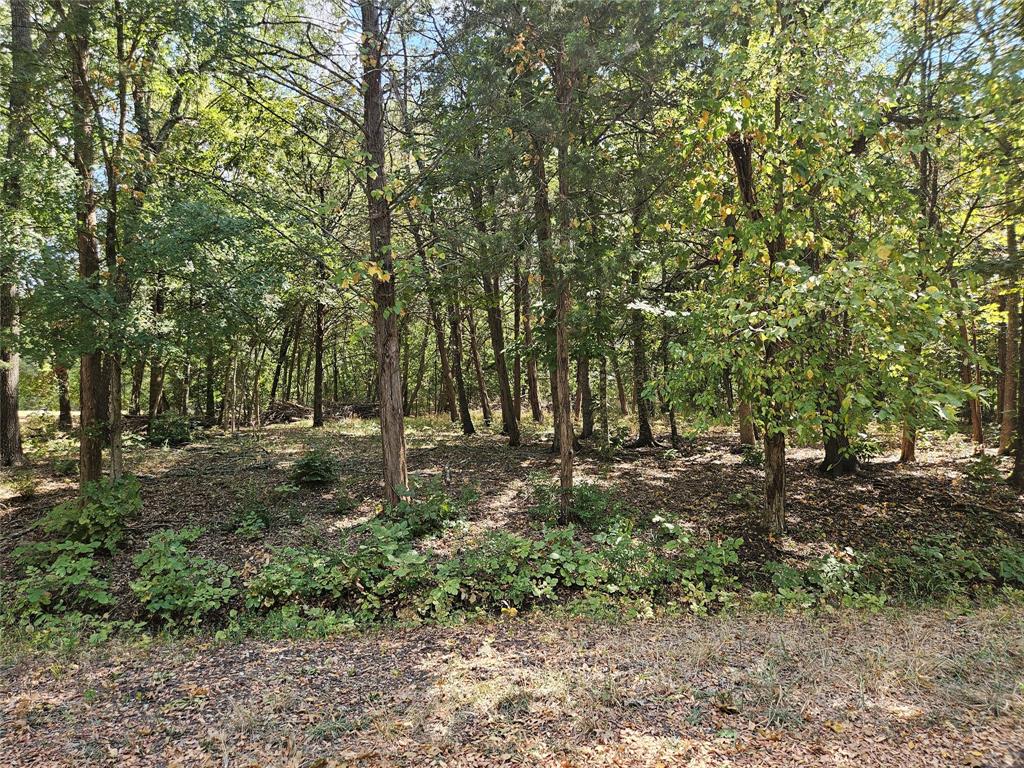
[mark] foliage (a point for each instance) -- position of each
(171, 429)
(591, 507)
(177, 586)
(98, 517)
(428, 508)
(317, 467)
(60, 576)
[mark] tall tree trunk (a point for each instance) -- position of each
(17, 146)
(444, 357)
(532, 386)
(210, 410)
(1008, 416)
(517, 325)
(620, 384)
(908, 443)
(385, 322)
(565, 80)
(282, 356)
(318, 351)
(775, 482)
(135, 396)
(63, 398)
(481, 386)
(156, 367)
(839, 456)
(644, 409)
(455, 330)
(602, 399)
(587, 398)
(1017, 476)
(510, 425)
(91, 371)
(420, 369)
(746, 423)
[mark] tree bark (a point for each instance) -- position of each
(318, 350)
(532, 386)
(385, 321)
(775, 483)
(644, 409)
(481, 386)
(587, 398)
(1008, 417)
(282, 356)
(91, 372)
(602, 400)
(620, 385)
(510, 425)
(746, 423)
(63, 398)
(210, 410)
(17, 147)
(455, 331)
(839, 458)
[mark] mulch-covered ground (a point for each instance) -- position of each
(900, 688)
(919, 689)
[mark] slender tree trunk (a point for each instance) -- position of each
(156, 367)
(908, 443)
(135, 396)
(455, 330)
(447, 385)
(839, 456)
(385, 323)
(644, 409)
(17, 145)
(91, 373)
(63, 398)
(210, 411)
(746, 423)
(114, 416)
(282, 355)
(485, 404)
(318, 352)
(1008, 416)
(620, 385)
(775, 483)
(602, 398)
(517, 325)
(420, 369)
(532, 386)
(1017, 476)
(587, 398)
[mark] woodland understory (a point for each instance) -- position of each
(511, 382)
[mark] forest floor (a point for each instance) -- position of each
(907, 686)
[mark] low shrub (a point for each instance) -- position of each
(591, 506)
(171, 429)
(176, 586)
(428, 508)
(60, 576)
(318, 467)
(98, 517)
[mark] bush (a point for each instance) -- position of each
(252, 516)
(938, 566)
(752, 456)
(318, 467)
(428, 509)
(98, 517)
(168, 429)
(591, 506)
(373, 581)
(59, 577)
(177, 586)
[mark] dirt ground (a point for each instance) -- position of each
(919, 689)
(923, 687)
